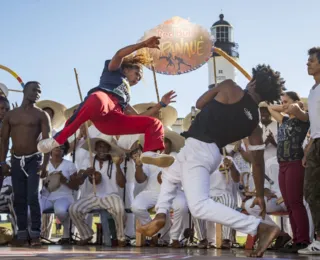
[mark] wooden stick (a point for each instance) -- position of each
(15, 90)
(155, 82)
(224, 156)
(88, 138)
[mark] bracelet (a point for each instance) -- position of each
(3, 163)
(162, 104)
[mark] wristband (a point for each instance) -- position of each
(3, 163)
(162, 104)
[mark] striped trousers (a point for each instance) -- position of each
(206, 229)
(112, 203)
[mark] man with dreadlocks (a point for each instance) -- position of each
(223, 108)
(107, 106)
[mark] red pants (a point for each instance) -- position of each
(105, 113)
(291, 177)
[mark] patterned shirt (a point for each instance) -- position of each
(114, 82)
(291, 135)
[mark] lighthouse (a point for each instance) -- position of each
(219, 68)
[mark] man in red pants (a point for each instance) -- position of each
(107, 106)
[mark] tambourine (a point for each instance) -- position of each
(52, 182)
(97, 176)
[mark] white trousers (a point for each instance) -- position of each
(207, 229)
(112, 203)
(60, 207)
(195, 162)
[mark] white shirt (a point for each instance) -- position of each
(272, 171)
(241, 163)
(126, 142)
(108, 184)
(219, 184)
(270, 150)
(67, 168)
(314, 112)
(81, 154)
(152, 174)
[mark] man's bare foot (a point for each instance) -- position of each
(266, 234)
(152, 227)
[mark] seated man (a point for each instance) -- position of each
(148, 197)
(61, 198)
(108, 178)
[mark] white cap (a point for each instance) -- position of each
(3, 90)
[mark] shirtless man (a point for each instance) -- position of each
(228, 114)
(24, 124)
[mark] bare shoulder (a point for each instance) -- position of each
(229, 84)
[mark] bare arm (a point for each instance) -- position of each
(276, 113)
(140, 175)
(210, 94)
(257, 159)
(117, 59)
(235, 175)
(5, 135)
(115, 63)
(298, 112)
(45, 130)
(121, 179)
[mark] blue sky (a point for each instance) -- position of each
(44, 40)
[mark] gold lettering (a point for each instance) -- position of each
(200, 47)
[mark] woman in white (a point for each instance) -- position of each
(60, 199)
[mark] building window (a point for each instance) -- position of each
(222, 33)
(220, 71)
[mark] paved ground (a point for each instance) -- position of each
(97, 252)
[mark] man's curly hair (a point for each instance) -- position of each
(269, 84)
(136, 61)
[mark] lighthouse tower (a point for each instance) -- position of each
(223, 34)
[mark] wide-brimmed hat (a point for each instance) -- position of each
(186, 122)
(176, 139)
(4, 91)
(169, 114)
(115, 150)
(69, 112)
(58, 110)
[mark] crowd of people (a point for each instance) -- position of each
(243, 157)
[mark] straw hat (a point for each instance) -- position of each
(186, 123)
(115, 150)
(4, 91)
(169, 113)
(58, 110)
(69, 112)
(176, 139)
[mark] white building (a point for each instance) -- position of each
(223, 34)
